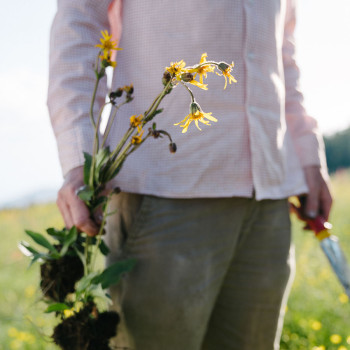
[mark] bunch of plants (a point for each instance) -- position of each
(74, 288)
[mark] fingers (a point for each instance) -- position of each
(72, 208)
(326, 200)
(313, 181)
(319, 199)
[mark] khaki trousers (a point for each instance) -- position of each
(211, 274)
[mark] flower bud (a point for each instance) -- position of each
(117, 93)
(172, 147)
(117, 190)
(186, 77)
(129, 89)
(166, 78)
(195, 107)
(223, 66)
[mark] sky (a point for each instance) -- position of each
(29, 161)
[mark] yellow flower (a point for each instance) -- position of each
(176, 69)
(136, 121)
(12, 332)
(68, 312)
(316, 325)
(322, 347)
(196, 115)
(26, 337)
(202, 68)
(136, 139)
(342, 347)
(29, 291)
(335, 338)
(348, 339)
(15, 344)
(198, 84)
(107, 44)
(343, 298)
(226, 72)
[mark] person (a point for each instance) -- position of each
(209, 226)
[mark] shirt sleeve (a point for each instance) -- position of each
(74, 33)
(306, 136)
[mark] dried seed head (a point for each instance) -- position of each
(166, 78)
(195, 107)
(186, 77)
(172, 147)
(223, 66)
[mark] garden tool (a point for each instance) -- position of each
(329, 244)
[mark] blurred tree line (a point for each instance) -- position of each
(338, 150)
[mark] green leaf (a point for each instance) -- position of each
(39, 256)
(97, 292)
(70, 238)
(112, 274)
(85, 193)
(86, 281)
(98, 202)
(57, 234)
(101, 157)
(81, 256)
(57, 307)
(87, 167)
(41, 240)
(103, 248)
(26, 249)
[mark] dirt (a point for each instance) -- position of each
(58, 277)
(87, 330)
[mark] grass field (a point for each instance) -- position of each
(317, 317)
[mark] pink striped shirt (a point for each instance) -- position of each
(263, 137)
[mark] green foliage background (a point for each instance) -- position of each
(317, 308)
(338, 150)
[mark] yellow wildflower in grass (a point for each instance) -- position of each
(342, 347)
(226, 72)
(321, 347)
(15, 344)
(343, 298)
(176, 69)
(12, 332)
(316, 325)
(26, 337)
(196, 115)
(203, 68)
(348, 339)
(335, 338)
(29, 291)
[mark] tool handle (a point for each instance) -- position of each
(317, 225)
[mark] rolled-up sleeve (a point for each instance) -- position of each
(306, 136)
(74, 33)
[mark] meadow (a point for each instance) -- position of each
(317, 316)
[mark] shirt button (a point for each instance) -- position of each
(251, 55)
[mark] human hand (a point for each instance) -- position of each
(72, 208)
(319, 199)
